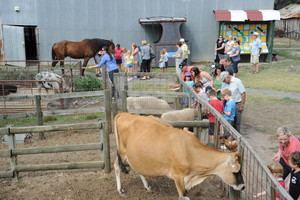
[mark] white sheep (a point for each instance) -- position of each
(187, 114)
(147, 103)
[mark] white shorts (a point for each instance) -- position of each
(254, 59)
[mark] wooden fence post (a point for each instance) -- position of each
(124, 101)
(105, 151)
(216, 133)
(107, 107)
(39, 114)
(13, 159)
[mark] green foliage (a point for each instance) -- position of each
(49, 118)
(16, 74)
(92, 116)
(87, 83)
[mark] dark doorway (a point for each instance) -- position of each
(30, 38)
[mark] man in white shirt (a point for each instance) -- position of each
(255, 52)
(185, 50)
(238, 92)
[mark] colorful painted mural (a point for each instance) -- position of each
(243, 32)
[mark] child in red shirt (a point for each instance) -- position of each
(218, 105)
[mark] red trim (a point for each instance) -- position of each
(222, 15)
(254, 15)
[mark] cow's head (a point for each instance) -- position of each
(230, 172)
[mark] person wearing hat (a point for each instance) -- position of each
(185, 50)
(178, 57)
(185, 69)
(238, 93)
(255, 52)
(225, 60)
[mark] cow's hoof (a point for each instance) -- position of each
(122, 192)
(183, 198)
(149, 189)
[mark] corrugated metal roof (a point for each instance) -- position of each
(290, 11)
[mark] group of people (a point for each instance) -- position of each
(222, 85)
(228, 53)
(286, 168)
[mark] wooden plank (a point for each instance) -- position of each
(57, 149)
(60, 166)
(4, 131)
(74, 111)
(157, 94)
(4, 153)
(17, 115)
(53, 113)
(202, 124)
(54, 96)
(6, 174)
(63, 127)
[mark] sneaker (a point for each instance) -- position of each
(223, 147)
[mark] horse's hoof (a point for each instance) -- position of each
(122, 193)
(149, 189)
(183, 198)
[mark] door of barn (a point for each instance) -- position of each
(20, 43)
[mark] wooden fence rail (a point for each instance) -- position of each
(13, 152)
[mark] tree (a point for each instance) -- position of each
(278, 4)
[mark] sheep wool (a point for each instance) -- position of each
(187, 114)
(147, 103)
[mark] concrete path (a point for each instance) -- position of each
(280, 94)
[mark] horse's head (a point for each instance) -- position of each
(111, 47)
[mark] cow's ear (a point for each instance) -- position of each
(234, 162)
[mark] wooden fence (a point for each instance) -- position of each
(13, 152)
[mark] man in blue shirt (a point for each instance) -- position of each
(255, 52)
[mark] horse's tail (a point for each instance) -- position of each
(54, 57)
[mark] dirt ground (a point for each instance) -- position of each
(89, 183)
(259, 125)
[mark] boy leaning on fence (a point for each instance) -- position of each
(218, 105)
(229, 110)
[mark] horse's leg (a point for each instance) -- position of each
(86, 60)
(62, 65)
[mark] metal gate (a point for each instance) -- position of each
(14, 44)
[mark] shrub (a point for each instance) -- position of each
(87, 83)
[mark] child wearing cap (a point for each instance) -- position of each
(229, 110)
(188, 80)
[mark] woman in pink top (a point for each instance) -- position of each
(288, 144)
(118, 55)
(135, 54)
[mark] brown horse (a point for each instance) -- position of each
(85, 49)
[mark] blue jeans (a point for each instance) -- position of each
(111, 77)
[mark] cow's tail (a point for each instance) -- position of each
(53, 53)
(120, 162)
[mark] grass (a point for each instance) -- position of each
(260, 99)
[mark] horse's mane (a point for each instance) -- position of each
(96, 44)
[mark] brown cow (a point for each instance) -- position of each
(153, 148)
